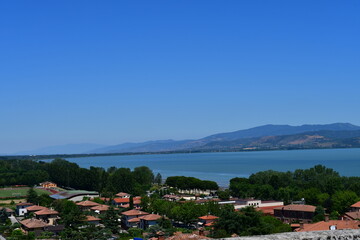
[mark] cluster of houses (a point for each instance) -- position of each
(34, 218)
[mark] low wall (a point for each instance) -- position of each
(319, 235)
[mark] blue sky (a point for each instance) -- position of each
(115, 71)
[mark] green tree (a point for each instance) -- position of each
(110, 220)
(32, 196)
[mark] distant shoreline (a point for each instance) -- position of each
(54, 156)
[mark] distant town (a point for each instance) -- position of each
(60, 200)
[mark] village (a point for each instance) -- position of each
(130, 218)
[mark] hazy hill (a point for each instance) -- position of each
(223, 140)
(63, 149)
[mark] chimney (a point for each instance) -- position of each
(326, 216)
(301, 225)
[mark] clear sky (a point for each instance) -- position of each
(110, 72)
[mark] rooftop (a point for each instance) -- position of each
(296, 207)
(150, 217)
(35, 208)
(134, 212)
(208, 217)
(72, 193)
(87, 203)
(46, 211)
(336, 224)
(356, 205)
(33, 223)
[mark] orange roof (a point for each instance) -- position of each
(33, 223)
(87, 203)
(150, 217)
(134, 220)
(353, 215)
(134, 212)
(208, 217)
(267, 210)
(296, 207)
(91, 218)
(46, 211)
(122, 194)
(209, 224)
(35, 208)
(122, 200)
(323, 226)
(356, 205)
(101, 208)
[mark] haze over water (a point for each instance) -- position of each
(221, 167)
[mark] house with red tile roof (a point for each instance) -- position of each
(149, 220)
(351, 216)
(329, 225)
(125, 202)
(21, 208)
(123, 195)
(48, 184)
(47, 215)
(100, 208)
(207, 220)
(33, 225)
(92, 220)
(295, 212)
(34, 208)
(355, 207)
(87, 205)
(268, 210)
(131, 214)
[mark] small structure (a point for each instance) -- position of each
(123, 195)
(131, 214)
(8, 211)
(92, 220)
(293, 212)
(74, 195)
(251, 202)
(329, 225)
(269, 211)
(21, 208)
(125, 202)
(101, 208)
(34, 208)
(351, 216)
(207, 220)
(355, 207)
(47, 215)
(148, 220)
(33, 225)
(48, 184)
(87, 205)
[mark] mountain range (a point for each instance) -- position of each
(337, 135)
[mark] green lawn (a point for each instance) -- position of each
(15, 192)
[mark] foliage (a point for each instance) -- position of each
(190, 183)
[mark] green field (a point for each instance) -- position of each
(18, 192)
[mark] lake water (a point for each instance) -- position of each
(221, 167)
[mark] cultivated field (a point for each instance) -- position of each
(18, 192)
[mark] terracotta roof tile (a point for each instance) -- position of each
(134, 220)
(24, 204)
(46, 211)
(353, 215)
(356, 205)
(323, 226)
(134, 212)
(35, 208)
(87, 203)
(296, 207)
(122, 194)
(208, 217)
(101, 208)
(33, 223)
(91, 218)
(150, 217)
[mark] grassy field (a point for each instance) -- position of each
(18, 192)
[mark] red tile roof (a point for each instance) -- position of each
(35, 208)
(100, 208)
(353, 215)
(134, 220)
(267, 210)
(296, 207)
(323, 226)
(46, 211)
(91, 218)
(208, 217)
(33, 223)
(87, 203)
(356, 205)
(134, 212)
(150, 217)
(122, 194)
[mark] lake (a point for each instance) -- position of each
(223, 166)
